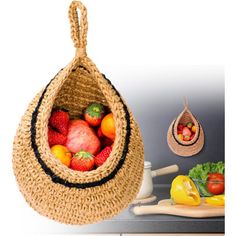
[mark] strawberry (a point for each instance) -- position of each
(82, 161)
(192, 136)
(59, 120)
(180, 127)
(94, 114)
(190, 125)
(186, 138)
(179, 131)
(102, 156)
(55, 138)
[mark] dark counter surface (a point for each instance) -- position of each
(127, 222)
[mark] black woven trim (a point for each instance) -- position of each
(173, 133)
(59, 180)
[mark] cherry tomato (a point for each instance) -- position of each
(216, 183)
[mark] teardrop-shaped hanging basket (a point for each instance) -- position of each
(181, 147)
(52, 189)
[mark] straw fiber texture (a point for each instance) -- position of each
(185, 148)
(52, 189)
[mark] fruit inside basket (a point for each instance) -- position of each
(186, 132)
(83, 143)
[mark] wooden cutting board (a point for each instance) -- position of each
(168, 208)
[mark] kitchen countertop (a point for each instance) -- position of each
(127, 222)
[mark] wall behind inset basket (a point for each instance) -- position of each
(155, 95)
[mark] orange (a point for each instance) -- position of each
(108, 126)
(194, 129)
(62, 154)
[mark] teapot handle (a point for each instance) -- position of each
(166, 170)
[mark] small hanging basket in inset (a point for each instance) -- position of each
(179, 146)
(53, 189)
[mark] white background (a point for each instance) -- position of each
(35, 44)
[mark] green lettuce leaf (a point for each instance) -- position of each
(199, 174)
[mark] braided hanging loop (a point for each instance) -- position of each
(79, 27)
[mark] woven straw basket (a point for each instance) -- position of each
(185, 148)
(52, 189)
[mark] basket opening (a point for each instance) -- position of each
(77, 91)
(184, 119)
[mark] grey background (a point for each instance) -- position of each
(155, 96)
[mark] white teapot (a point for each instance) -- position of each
(147, 183)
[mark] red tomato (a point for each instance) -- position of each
(216, 183)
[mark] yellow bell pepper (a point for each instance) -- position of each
(217, 200)
(183, 191)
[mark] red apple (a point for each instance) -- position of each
(82, 138)
(186, 132)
